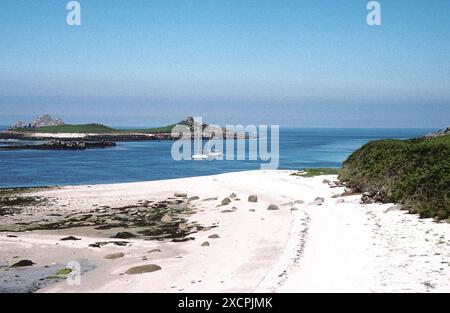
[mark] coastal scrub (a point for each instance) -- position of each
(413, 172)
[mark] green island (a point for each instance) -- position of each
(40, 125)
(92, 128)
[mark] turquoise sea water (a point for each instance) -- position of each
(142, 161)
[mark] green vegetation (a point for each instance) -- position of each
(84, 128)
(61, 274)
(413, 172)
(64, 272)
(311, 172)
(156, 130)
(189, 121)
(94, 129)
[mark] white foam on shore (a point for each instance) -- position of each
(60, 135)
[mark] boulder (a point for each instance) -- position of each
(205, 244)
(70, 238)
(226, 201)
(23, 263)
(397, 207)
(183, 239)
(371, 197)
(210, 199)
(233, 209)
(143, 269)
(122, 217)
(273, 207)
(166, 218)
(318, 201)
(124, 235)
(232, 196)
(114, 256)
(253, 198)
(180, 195)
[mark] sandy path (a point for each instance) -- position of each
(362, 248)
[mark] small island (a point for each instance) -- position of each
(47, 128)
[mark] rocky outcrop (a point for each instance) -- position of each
(372, 197)
(46, 120)
(79, 144)
(41, 121)
(441, 132)
(63, 145)
(19, 124)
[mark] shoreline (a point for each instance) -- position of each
(112, 136)
(304, 244)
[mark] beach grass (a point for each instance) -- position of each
(311, 172)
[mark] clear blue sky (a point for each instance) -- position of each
(305, 63)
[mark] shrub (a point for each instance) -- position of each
(414, 172)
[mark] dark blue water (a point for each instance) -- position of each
(141, 161)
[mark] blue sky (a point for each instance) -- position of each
(297, 63)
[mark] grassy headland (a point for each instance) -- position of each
(413, 172)
(67, 128)
(100, 129)
(155, 130)
(92, 129)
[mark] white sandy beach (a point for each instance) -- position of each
(71, 135)
(340, 246)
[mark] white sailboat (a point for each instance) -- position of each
(198, 156)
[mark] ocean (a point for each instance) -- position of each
(151, 160)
